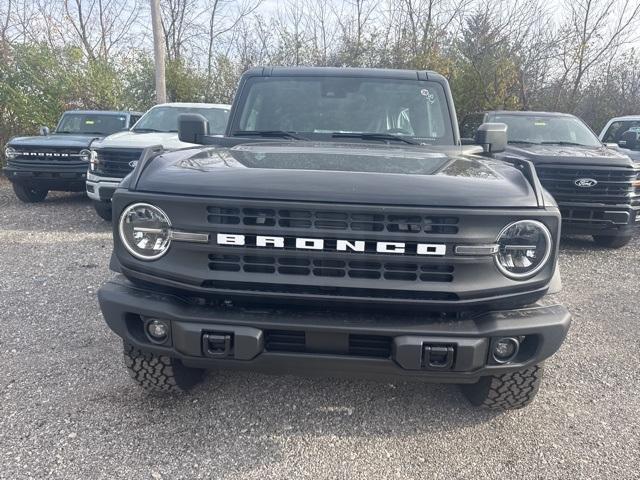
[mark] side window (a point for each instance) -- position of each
(133, 119)
(470, 124)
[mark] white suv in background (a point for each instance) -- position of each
(115, 156)
(613, 131)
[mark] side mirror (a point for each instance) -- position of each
(44, 131)
(192, 127)
(630, 139)
(492, 137)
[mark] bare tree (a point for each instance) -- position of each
(103, 27)
(594, 30)
(222, 19)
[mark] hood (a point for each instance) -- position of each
(349, 173)
(54, 140)
(569, 154)
(632, 154)
(130, 139)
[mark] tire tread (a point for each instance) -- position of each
(508, 391)
(159, 373)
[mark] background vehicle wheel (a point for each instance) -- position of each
(103, 209)
(28, 193)
(507, 391)
(612, 241)
(159, 373)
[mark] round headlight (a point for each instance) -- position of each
(145, 231)
(524, 249)
(10, 153)
(85, 155)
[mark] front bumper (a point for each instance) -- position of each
(101, 189)
(333, 342)
(51, 177)
(592, 218)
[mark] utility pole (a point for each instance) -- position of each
(158, 52)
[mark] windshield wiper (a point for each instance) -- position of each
(522, 142)
(267, 133)
(147, 130)
(564, 143)
(374, 136)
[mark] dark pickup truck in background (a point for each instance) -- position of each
(337, 228)
(60, 160)
(597, 188)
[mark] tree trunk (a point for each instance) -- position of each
(158, 52)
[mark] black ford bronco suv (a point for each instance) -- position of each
(337, 228)
(597, 188)
(60, 160)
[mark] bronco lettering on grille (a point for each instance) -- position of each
(299, 243)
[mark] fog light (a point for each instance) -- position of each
(158, 330)
(505, 349)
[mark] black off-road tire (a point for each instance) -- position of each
(507, 391)
(612, 241)
(28, 193)
(103, 209)
(159, 373)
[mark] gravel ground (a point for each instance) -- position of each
(69, 410)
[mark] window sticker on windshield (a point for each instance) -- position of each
(431, 98)
(89, 122)
(540, 124)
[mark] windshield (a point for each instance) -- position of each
(547, 129)
(88, 123)
(616, 129)
(317, 107)
(165, 119)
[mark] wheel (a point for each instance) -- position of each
(612, 241)
(159, 373)
(507, 391)
(28, 193)
(103, 209)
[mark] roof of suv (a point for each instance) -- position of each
(527, 113)
(104, 112)
(344, 72)
(625, 117)
(194, 105)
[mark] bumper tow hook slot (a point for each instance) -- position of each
(217, 345)
(437, 357)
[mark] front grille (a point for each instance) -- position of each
(116, 162)
(615, 185)
(319, 267)
(312, 219)
(326, 290)
(36, 155)
(313, 263)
